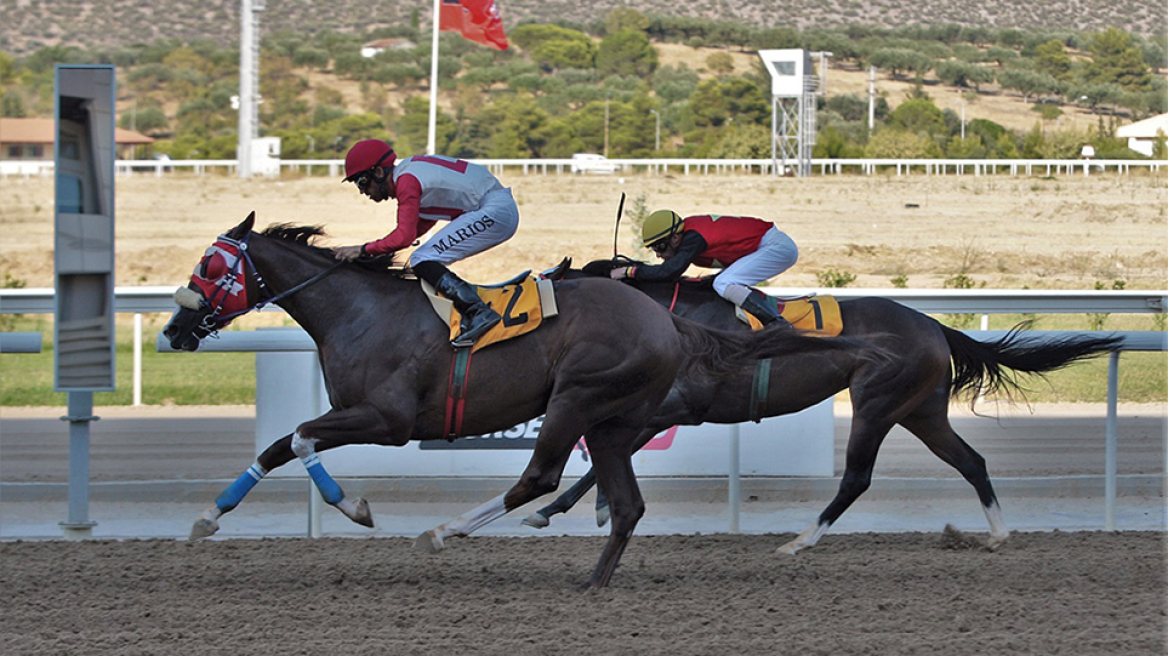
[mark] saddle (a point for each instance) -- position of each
(523, 302)
(819, 315)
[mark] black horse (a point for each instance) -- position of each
(599, 369)
(928, 365)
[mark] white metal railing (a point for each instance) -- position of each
(139, 300)
(39, 300)
(685, 166)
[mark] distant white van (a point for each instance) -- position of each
(592, 163)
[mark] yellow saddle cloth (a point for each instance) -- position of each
(522, 303)
(816, 314)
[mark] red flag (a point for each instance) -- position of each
(477, 20)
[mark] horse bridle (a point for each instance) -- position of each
(212, 321)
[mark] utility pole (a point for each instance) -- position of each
(249, 77)
(871, 99)
(606, 99)
(657, 136)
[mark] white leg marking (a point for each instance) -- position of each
(463, 525)
(301, 447)
(805, 539)
(998, 530)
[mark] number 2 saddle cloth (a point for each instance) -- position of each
(523, 302)
(819, 315)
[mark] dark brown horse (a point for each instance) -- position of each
(928, 365)
(599, 369)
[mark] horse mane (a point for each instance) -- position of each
(305, 235)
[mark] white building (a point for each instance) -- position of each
(374, 48)
(1142, 135)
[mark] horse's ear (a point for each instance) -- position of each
(240, 231)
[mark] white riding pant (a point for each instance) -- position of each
(494, 222)
(776, 253)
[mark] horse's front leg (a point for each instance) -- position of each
(356, 425)
(329, 430)
(279, 453)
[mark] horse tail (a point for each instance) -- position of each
(721, 352)
(982, 366)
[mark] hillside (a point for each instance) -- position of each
(31, 24)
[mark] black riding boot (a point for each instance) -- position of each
(477, 316)
(756, 304)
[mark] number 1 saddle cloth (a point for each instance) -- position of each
(816, 314)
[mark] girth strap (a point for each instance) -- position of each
(759, 390)
(456, 392)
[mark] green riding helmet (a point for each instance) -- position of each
(658, 226)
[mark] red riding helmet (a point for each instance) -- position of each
(365, 155)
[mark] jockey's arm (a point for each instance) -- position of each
(410, 226)
(692, 245)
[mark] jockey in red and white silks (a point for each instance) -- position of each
(481, 214)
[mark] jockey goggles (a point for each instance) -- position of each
(365, 177)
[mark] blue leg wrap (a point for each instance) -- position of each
(239, 489)
(329, 489)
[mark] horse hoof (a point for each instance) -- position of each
(993, 544)
(602, 515)
(789, 549)
(536, 520)
(429, 542)
(357, 510)
(204, 528)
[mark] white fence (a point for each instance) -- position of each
(975, 167)
(140, 300)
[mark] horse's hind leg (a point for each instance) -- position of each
(563, 503)
(613, 463)
(863, 443)
(541, 476)
(931, 425)
(279, 453)
(567, 500)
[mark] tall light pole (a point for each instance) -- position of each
(249, 77)
(657, 136)
(607, 97)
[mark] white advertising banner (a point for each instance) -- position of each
(290, 390)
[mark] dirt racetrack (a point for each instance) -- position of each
(906, 593)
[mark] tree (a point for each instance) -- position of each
(624, 18)
(720, 63)
(1051, 59)
(12, 105)
(750, 141)
(555, 54)
(716, 101)
(918, 117)
(1116, 60)
(899, 61)
(964, 74)
(532, 34)
(626, 53)
(1029, 83)
(898, 144)
(674, 84)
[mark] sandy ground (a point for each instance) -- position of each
(907, 593)
(1004, 232)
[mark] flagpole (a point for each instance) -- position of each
(433, 82)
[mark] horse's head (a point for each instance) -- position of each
(216, 293)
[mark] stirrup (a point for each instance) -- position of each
(467, 337)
